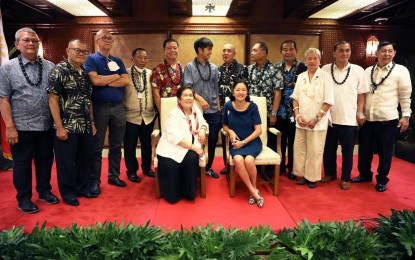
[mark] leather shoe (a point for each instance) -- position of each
(150, 173)
(380, 187)
(71, 202)
(291, 176)
(328, 178)
(212, 173)
(345, 185)
(88, 195)
(133, 178)
(27, 206)
(302, 181)
(95, 189)
(361, 178)
(117, 182)
(224, 171)
(312, 184)
(49, 198)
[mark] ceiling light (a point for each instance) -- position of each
(341, 9)
(78, 7)
(210, 7)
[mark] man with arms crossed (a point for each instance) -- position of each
(109, 77)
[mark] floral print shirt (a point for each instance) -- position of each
(74, 90)
(264, 82)
(166, 84)
(285, 110)
(228, 77)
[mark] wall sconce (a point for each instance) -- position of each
(371, 46)
(40, 51)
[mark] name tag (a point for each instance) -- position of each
(113, 66)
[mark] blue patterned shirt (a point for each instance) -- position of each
(29, 104)
(208, 90)
(264, 82)
(285, 109)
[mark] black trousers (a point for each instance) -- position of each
(383, 133)
(178, 180)
(134, 132)
(346, 136)
(215, 124)
(287, 129)
(37, 146)
(74, 163)
(109, 116)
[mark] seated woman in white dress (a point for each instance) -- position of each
(242, 121)
(180, 148)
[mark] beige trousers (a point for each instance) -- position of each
(308, 153)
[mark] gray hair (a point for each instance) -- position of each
(25, 29)
(312, 50)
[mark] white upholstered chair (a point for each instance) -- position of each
(267, 155)
(167, 104)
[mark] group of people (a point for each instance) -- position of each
(64, 110)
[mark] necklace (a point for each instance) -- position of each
(259, 75)
(376, 85)
(189, 121)
(332, 75)
(172, 74)
(136, 84)
(200, 74)
(39, 80)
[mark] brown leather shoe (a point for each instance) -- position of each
(328, 178)
(345, 185)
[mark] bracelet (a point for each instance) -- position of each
(323, 112)
(359, 113)
(317, 118)
(296, 108)
(297, 116)
(243, 141)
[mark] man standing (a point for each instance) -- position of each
(229, 72)
(203, 77)
(70, 92)
(167, 77)
(265, 80)
(390, 87)
(349, 92)
(109, 77)
(290, 68)
(140, 115)
(25, 109)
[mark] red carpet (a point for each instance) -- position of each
(137, 204)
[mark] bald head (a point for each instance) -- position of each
(228, 53)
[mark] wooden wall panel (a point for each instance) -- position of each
(274, 41)
(124, 44)
(187, 52)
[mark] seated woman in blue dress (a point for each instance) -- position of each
(180, 148)
(242, 121)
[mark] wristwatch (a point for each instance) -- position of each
(273, 113)
(243, 141)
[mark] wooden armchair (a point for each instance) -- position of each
(167, 104)
(267, 155)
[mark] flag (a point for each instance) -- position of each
(4, 57)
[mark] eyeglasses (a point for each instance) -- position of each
(27, 41)
(106, 39)
(79, 51)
